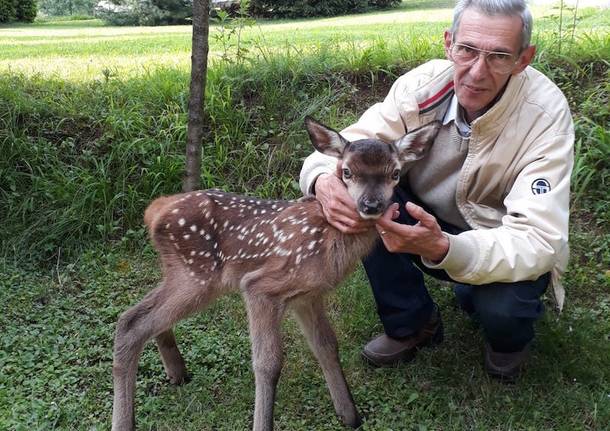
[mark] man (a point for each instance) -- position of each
(486, 208)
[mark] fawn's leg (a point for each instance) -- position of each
(314, 323)
(264, 316)
(154, 316)
(171, 357)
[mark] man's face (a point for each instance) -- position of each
(476, 85)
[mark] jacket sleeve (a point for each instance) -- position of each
(534, 232)
(381, 121)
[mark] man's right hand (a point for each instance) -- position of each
(338, 206)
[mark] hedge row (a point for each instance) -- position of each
(17, 10)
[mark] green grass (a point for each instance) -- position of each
(83, 51)
(92, 126)
(57, 343)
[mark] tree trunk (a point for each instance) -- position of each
(199, 66)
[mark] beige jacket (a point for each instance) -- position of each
(514, 186)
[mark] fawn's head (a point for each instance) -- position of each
(371, 168)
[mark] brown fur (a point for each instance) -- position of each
(279, 254)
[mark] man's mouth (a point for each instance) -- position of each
(474, 89)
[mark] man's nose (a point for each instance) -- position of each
(479, 69)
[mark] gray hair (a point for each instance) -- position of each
(497, 7)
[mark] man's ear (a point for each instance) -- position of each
(325, 139)
(448, 38)
(414, 145)
(525, 58)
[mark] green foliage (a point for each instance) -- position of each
(67, 7)
(17, 10)
(144, 12)
(56, 359)
(26, 10)
(309, 8)
(229, 33)
(7, 10)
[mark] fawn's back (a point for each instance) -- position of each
(216, 238)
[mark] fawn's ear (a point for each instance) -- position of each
(325, 139)
(414, 145)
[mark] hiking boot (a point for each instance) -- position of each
(385, 351)
(505, 366)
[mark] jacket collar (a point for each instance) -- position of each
(434, 98)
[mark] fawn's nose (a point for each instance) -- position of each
(371, 206)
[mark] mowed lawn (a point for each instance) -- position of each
(80, 50)
(57, 320)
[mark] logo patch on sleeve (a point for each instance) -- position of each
(541, 186)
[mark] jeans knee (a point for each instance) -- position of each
(506, 333)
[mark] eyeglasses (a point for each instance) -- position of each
(499, 62)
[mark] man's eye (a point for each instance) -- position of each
(498, 57)
(463, 49)
(347, 174)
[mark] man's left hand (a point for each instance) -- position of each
(425, 238)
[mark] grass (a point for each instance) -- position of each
(92, 126)
(85, 51)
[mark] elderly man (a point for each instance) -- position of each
(486, 208)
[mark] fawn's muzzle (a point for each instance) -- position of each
(370, 207)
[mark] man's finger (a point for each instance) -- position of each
(418, 213)
(386, 222)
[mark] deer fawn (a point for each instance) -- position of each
(279, 254)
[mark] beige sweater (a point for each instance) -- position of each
(513, 187)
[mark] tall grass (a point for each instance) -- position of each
(81, 158)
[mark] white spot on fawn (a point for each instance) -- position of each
(181, 222)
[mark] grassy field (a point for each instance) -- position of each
(85, 50)
(92, 126)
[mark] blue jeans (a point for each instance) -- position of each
(505, 311)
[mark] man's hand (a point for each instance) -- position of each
(424, 238)
(338, 206)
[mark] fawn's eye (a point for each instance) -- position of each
(347, 174)
(396, 175)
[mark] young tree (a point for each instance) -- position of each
(199, 67)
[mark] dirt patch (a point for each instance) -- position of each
(369, 89)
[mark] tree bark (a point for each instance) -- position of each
(199, 66)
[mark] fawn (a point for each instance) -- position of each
(279, 254)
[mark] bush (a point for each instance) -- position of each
(66, 7)
(25, 10)
(18, 10)
(7, 10)
(144, 12)
(309, 8)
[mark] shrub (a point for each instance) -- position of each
(18, 10)
(309, 8)
(66, 8)
(144, 12)
(25, 10)
(7, 10)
